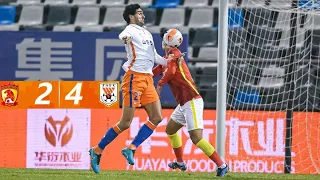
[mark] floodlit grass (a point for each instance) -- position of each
(48, 174)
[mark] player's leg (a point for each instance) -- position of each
(194, 117)
(129, 85)
(175, 123)
(150, 101)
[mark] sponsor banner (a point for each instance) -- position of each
(13, 138)
(254, 142)
(58, 138)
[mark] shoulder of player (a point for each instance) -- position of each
(130, 29)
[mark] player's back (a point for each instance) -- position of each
(140, 51)
(182, 84)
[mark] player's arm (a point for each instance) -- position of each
(126, 36)
(171, 70)
(159, 59)
(157, 71)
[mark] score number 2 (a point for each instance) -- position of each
(69, 97)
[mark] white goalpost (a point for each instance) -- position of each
(268, 96)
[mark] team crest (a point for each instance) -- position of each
(108, 93)
(9, 95)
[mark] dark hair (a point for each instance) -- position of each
(130, 10)
(163, 31)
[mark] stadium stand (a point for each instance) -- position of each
(7, 15)
(197, 18)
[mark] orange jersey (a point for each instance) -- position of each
(178, 76)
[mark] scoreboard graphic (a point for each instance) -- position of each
(59, 94)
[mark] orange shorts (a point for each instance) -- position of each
(138, 89)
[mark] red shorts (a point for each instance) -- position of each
(138, 89)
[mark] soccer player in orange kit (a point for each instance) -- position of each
(137, 86)
(190, 104)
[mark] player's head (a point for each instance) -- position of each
(171, 38)
(133, 14)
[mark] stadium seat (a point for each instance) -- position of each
(117, 29)
(302, 76)
(205, 37)
(168, 21)
(92, 29)
(268, 82)
(208, 53)
(31, 15)
(246, 95)
(154, 29)
(150, 16)
(253, 20)
(315, 21)
(238, 37)
(27, 2)
(84, 2)
(59, 15)
(266, 52)
(34, 28)
(83, 19)
(201, 18)
(210, 70)
(56, 2)
(11, 27)
(306, 96)
(183, 29)
(273, 71)
(193, 70)
(210, 97)
(285, 39)
(236, 17)
(274, 96)
(283, 4)
(240, 52)
(112, 2)
(7, 15)
(64, 28)
(241, 74)
(142, 3)
(252, 4)
(113, 17)
(283, 20)
(166, 4)
(195, 4)
(265, 37)
(231, 3)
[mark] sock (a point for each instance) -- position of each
(111, 134)
(176, 144)
(208, 149)
(145, 131)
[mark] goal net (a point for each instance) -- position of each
(273, 89)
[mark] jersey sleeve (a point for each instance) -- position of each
(168, 75)
(157, 71)
(124, 33)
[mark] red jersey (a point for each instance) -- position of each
(179, 78)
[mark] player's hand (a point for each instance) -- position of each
(127, 39)
(181, 58)
(170, 57)
(159, 90)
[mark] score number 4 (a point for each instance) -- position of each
(69, 97)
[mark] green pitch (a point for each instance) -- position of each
(43, 174)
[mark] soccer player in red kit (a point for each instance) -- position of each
(190, 104)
